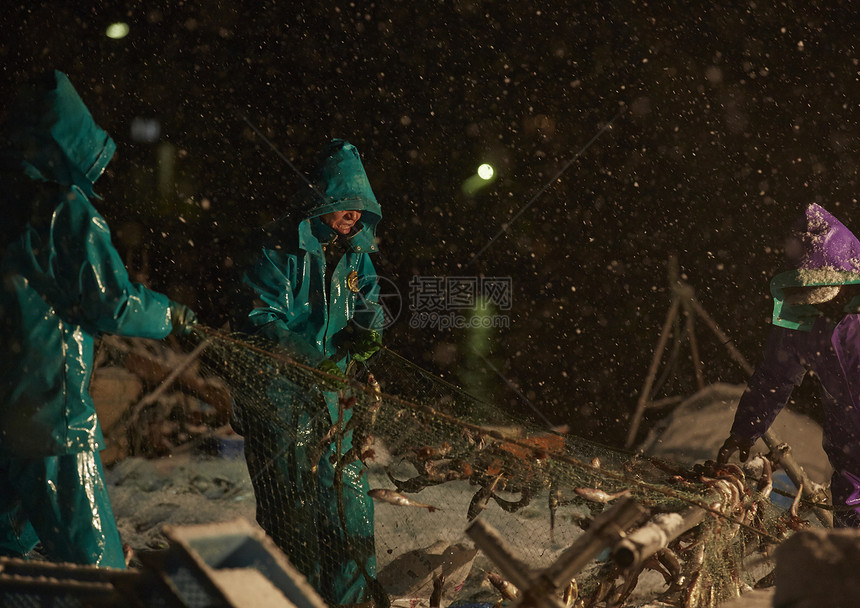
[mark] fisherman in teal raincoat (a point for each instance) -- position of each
(63, 283)
(316, 297)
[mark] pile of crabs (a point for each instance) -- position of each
(722, 517)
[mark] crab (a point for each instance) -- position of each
(493, 464)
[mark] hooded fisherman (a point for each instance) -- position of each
(63, 283)
(816, 329)
(316, 298)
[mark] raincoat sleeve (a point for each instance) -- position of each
(93, 288)
(770, 386)
(846, 343)
(272, 277)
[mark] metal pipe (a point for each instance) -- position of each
(604, 531)
(795, 472)
(538, 589)
(663, 528)
(500, 553)
(658, 533)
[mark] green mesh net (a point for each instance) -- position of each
(371, 484)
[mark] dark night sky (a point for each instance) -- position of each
(736, 118)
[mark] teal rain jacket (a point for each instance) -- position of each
(307, 308)
(62, 280)
(295, 305)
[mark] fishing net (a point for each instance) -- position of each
(317, 449)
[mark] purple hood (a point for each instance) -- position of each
(825, 242)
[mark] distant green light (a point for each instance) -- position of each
(479, 180)
(486, 172)
(117, 30)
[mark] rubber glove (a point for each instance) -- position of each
(330, 367)
(734, 444)
(182, 318)
(365, 345)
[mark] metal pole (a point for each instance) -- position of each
(795, 472)
(727, 342)
(538, 589)
(652, 372)
(500, 553)
(606, 529)
(662, 529)
(658, 533)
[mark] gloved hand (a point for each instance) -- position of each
(182, 318)
(365, 345)
(734, 444)
(330, 367)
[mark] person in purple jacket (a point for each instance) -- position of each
(816, 329)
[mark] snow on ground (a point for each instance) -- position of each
(146, 495)
(190, 489)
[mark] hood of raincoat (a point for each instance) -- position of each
(826, 243)
(339, 183)
(53, 137)
(828, 257)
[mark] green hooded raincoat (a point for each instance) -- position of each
(62, 284)
(307, 306)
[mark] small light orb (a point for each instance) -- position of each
(117, 30)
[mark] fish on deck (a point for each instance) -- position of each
(394, 498)
(596, 495)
